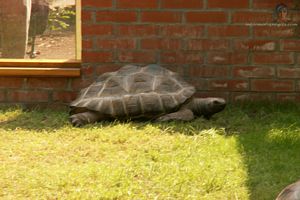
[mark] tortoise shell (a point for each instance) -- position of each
(133, 92)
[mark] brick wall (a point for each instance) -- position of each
(43, 91)
(206, 41)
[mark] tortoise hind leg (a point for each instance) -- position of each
(88, 117)
(181, 115)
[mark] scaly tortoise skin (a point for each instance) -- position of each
(149, 92)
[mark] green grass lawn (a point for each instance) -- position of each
(249, 151)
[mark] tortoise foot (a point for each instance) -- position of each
(181, 115)
(84, 118)
(75, 121)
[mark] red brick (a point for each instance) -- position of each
(199, 83)
(207, 45)
(89, 56)
(136, 57)
(11, 82)
(28, 96)
(103, 68)
(149, 4)
(2, 96)
(117, 43)
(78, 84)
(295, 16)
(290, 45)
(228, 4)
(97, 29)
(273, 58)
(97, 3)
(47, 83)
(208, 71)
(298, 87)
(181, 57)
(252, 17)
(269, 85)
(288, 72)
(228, 31)
(138, 30)
(87, 44)
(273, 31)
(229, 85)
(182, 31)
(87, 70)
(175, 68)
(224, 58)
(182, 4)
(270, 3)
(64, 96)
(255, 45)
(253, 72)
(86, 16)
(206, 17)
(244, 96)
(169, 44)
(161, 17)
(295, 97)
(116, 16)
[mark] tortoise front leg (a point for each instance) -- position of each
(181, 115)
(88, 117)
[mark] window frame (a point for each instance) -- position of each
(47, 67)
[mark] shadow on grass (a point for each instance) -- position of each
(268, 137)
(269, 143)
(13, 118)
(271, 165)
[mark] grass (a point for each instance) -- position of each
(247, 152)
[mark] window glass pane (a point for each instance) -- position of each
(38, 29)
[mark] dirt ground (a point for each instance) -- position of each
(55, 45)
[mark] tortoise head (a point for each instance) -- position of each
(207, 107)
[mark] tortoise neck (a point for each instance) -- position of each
(198, 106)
(207, 106)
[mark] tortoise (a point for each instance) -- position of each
(290, 192)
(133, 92)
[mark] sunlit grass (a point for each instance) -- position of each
(245, 152)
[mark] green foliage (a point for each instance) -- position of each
(61, 18)
(248, 152)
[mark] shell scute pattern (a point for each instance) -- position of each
(151, 103)
(132, 105)
(139, 83)
(119, 108)
(112, 87)
(166, 85)
(134, 91)
(128, 69)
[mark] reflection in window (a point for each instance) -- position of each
(40, 29)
